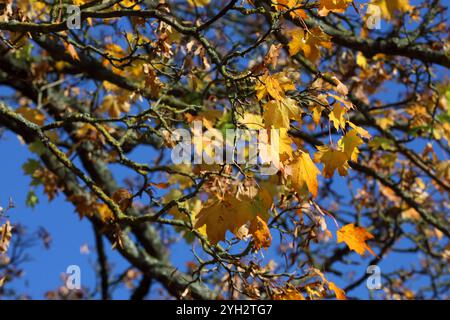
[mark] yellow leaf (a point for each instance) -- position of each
(277, 113)
(350, 143)
(390, 7)
(283, 5)
(289, 294)
(361, 60)
(105, 213)
(304, 171)
(198, 3)
(274, 85)
(339, 6)
(261, 233)
(355, 238)
(340, 294)
(316, 113)
(230, 213)
(337, 116)
(309, 42)
(362, 132)
(332, 159)
(251, 121)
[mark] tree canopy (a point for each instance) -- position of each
(285, 145)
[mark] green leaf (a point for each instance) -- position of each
(32, 199)
(30, 166)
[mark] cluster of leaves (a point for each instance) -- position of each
(351, 155)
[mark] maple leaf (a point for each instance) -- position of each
(332, 159)
(390, 7)
(327, 6)
(231, 213)
(271, 57)
(309, 42)
(316, 113)
(282, 5)
(355, 238)
(289, 294)
(261, 233)
(274, 85)
(350, 143)
(337, 116)
(278, 113)
(303, 172)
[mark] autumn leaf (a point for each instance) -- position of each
(338, 6)
(283, 5)
(289, 294)
(309, 42)
(31, 114)
(390, 7)
(5, 236)
(303, 172)
(261, 233)
(123, 198)
(355, 238)
(278, 113)
(198, 3)
(230, 214)
(337, 116)
(104, 212)
(332, 159)
(274, 85)
(151, 81)
(350, 143)
(340, 294)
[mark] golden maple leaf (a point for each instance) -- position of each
(231, 213)
(389, 7)
(350, 143)
(261, 233)
(303, 172)
(337, 158)
(278, 113)
(337, 116)
(355, 238)
(332, 159)
(325, 6)
(309, 42)
(274, 85)
(283, 5)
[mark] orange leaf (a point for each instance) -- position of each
(355, 238)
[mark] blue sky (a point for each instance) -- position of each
(69, 233)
